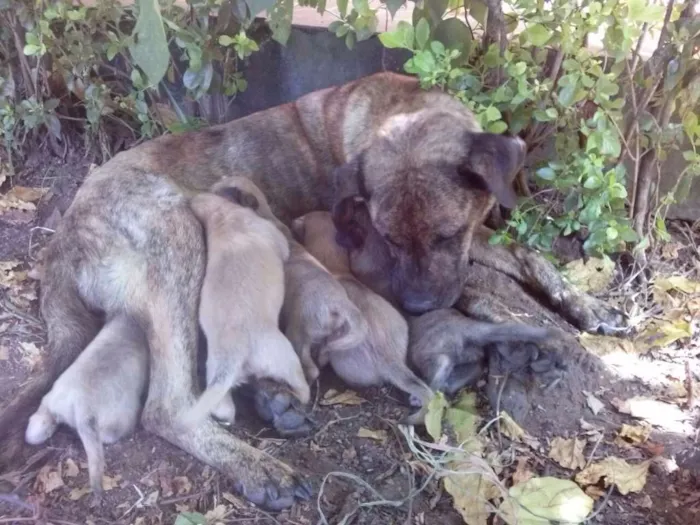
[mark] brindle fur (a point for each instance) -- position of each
(129, 242)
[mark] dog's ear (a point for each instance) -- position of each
(350, 234)
(240, 197)
(492, 163)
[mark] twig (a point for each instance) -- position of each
(689, 385)
(595, 447)
(181, 498)
(602, 504)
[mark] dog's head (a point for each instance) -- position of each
(429, 180)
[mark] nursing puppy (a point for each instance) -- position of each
(449, 350)
(241, 299)
(382, 357)
(99, 395)
(317, 314)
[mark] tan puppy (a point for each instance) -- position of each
(99, 395)
(316, 313)
(382, 357)
(240, 304)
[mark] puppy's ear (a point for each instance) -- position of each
(350, 234)
(299, 228)
(492, 163)
(240, 197)
(348, 180)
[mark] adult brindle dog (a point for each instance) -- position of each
(129, 242)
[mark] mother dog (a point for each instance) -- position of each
(129, 242)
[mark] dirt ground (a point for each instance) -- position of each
(150, 481)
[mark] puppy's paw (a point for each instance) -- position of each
(276, 405)
(602, 318)
(415, 401)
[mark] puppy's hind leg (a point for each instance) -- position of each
(169, 310)
(275, 358)
(86, 426)
(399, 375)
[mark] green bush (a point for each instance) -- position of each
(522, 66)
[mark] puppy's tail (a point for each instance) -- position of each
(71, 327)
(351, 330)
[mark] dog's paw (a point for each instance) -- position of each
(276, 405)
(603, 318)
(274, 489)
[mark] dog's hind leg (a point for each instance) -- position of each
(169, 312)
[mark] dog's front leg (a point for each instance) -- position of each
(535, 272)
(176, 267)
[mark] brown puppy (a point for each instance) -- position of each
(382, 357)
(99, 395)
(129, 243)
(242, 296)
(449, 349)
(316, 313)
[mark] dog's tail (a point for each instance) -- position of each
(484, 333)
(351, 329)
(71, 327)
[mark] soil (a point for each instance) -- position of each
(151, 481)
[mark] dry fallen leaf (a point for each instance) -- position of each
(4, 353)
(152, 499)
(677, 282)
(669, 250)
(216, 514)
(634, 433)
(233, 500)
(594, 492)
(522, 472)
(470, 494)
(31, 355)
(655, 412)
(660, 334)
(593, 275)
(8, 274)
(595, 404)
(543, 500)
(182, 485)
(602, 345)
(512, 430)
(377, 435)
(78, 493)
(568, 452)
(645, 502)
(344, 398)
(48, 479)
(110, 483)
(27, 194)
(627, 478)
(71, 468)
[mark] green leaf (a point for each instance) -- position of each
(546, 173)
(433, 418)
(537, 35)
(464, 417)
(644, 11)
(258, 6)
(611, 233)
(497, 127)
(546, 500)
(422, 33)
(190, 518)
(225, 40)
(610, 144)
(520, 68)
(280, 20)
(492, 114)
(454, 34)
(552, 113)
(31, 50)
(401, 37)
(150, 49)
(393, 6)
(436, 8)
(343, 8)
(592, 183)
(478, 11)
(566, 95)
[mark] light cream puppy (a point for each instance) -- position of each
(99, 395)
(317, 314)
(240, 304)
(382, 356)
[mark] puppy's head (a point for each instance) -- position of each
(41, 426)
(317, 233)
(429, 180)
